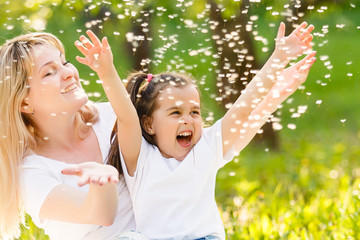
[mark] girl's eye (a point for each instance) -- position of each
(175, 113)
(195, 112)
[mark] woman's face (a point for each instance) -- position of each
(54, 84)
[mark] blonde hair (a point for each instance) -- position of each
(18, 133)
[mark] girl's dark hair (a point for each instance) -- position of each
(144, 94)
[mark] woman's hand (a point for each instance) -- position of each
(294, 45)
(91, 172)
(97, 54)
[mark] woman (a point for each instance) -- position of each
(46, 126)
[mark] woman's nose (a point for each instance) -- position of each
(67, 72)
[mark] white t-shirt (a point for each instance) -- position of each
(40, 175)
(176, 199)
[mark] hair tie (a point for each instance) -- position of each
(149, 77)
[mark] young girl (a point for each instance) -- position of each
(50, 135)
(171, 171)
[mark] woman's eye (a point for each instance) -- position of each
(49, 73)
(66, 63)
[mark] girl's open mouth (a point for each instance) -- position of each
(184, 139)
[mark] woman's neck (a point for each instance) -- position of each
(60, 132)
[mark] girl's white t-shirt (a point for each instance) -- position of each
(176, 199)
(39, 175)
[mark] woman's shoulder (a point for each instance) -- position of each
(104, 107)
(34, 161)
(105, 111)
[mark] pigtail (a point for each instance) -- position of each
(143, 90)
(134, 85)
(113, 157)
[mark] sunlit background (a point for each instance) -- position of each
(299, 179)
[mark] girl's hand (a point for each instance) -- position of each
(295, 44)
(97, 55)
(91, 172)
(291, 78)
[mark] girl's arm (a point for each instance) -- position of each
(98, 206)
(98, 56)
(286, 49)
(287, 83)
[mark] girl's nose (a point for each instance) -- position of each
(187, 119)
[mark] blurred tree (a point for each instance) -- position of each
(238, 63)
(232, 24)
(139, 45)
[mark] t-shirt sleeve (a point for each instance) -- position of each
(213, 136)
(133, 181)
(36, 184)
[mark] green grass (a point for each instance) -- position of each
(308, 190)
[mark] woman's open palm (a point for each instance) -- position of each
(91, 172)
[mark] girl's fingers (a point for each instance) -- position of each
(105, 43)
(81, 60)
(304, 70)
(95, 40)
(307, 65)
(310, 55)
(299, 29)
(81, 47)
(306, 32)
(281, 31)
(86, 42)
(299, 64)
(308, 40)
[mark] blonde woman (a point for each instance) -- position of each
(53, 146)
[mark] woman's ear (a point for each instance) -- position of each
(25, 108)
(146, 123)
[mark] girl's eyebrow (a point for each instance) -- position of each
(44, 65)
(177, 107)
(172, 108)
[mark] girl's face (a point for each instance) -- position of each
(176, 123)
(54, 84)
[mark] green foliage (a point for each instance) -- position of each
(31, 232)
(308, 190)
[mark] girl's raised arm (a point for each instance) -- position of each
(98, 56)
(286, 84)
(286, 49)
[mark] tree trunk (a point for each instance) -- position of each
(138, 44)
(237, 62)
